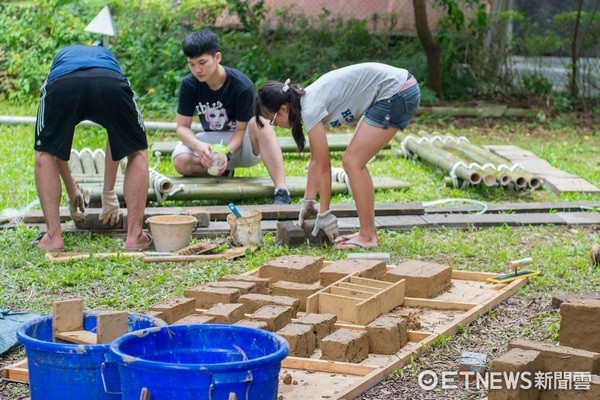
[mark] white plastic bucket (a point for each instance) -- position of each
(246, 231)
(171, 232)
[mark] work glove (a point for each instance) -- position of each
(110, 208)
(77, 203)
(307, 211)
(328, 223)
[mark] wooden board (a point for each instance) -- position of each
(555, 180)
(344, 210)
(16, 372)
(152, 257)
(470, 297)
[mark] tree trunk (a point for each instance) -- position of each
(431, 47)
(575, 53)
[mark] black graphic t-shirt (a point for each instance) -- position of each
(218, 109)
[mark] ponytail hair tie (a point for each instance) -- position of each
(286, 85)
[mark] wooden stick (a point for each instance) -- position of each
(516, 264)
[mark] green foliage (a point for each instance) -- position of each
(561, 103)
(461, 39)
(589, 31)
(149, 35)
(252, 14)
(30, 43)
(536, 85)
(276, 44)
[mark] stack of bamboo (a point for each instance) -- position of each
(467, 164)
(87, 166)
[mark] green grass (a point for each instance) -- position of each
(29, 281)
(569, 143)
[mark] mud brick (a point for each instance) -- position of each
(290, 234)
(253, 324)
(156, 314)
(322, 324)
(175, 309)
(207, 296)
(345, 345)
(558, 300)
(387, 334)
(372, 269)
(516, 361)
(300, 338)
(262, 284)
(193, 319)
(560, 358)
(423, 279)
(226, 313)
(318, 240)
(580, 324)
(111, 325)
(67, 316)
(275, 316)
(202, 215)
(300, 269)
(298, 291)
(243, 286)
(253, 302)
(91, 221)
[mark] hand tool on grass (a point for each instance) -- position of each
(517, 274)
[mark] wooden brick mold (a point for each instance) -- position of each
(357, 300)
(372, 269)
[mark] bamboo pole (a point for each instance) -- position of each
(439, 158)
(75, 163)
(87, 161)
(99, 160)
(335, 142)
(488, 175)
(227, 188)
(518, 175)
(455, 144)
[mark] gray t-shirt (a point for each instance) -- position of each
(343, 95)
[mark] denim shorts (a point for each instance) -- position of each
(397, 111)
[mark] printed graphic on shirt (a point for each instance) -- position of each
(213, 117)
(347, 117)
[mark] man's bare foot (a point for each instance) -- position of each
(44, 242)
(357, 241)
(141, 242)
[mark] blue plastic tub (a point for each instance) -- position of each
(64, 371)
(203, 361)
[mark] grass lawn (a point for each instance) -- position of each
(30, 282)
